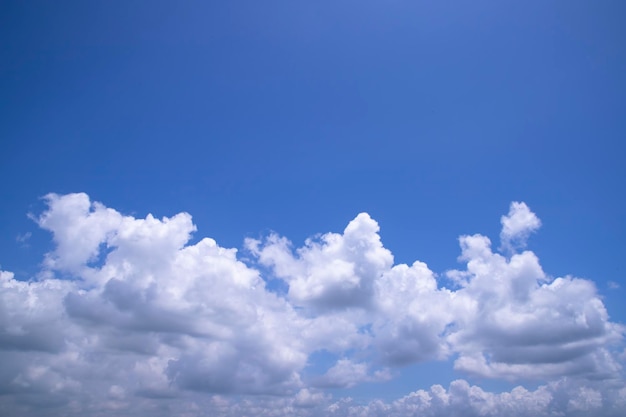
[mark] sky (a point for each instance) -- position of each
(331, 208)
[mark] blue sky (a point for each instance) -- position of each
(285, 120)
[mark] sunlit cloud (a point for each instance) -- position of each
(127, 312)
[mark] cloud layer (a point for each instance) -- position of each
(126, 315)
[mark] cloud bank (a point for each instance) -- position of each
(127, 317)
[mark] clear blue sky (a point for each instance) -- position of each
(294, 117)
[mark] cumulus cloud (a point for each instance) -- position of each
(128, 316)
(337, 271)
(559, 398)
(518, 225)
(411, 315)
(159, 315)
(514, 322)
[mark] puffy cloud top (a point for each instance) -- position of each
(336, 272)
(518, 225)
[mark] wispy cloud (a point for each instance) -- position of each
(23, 239)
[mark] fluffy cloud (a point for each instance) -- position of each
(514, 322)
(411, 315)
(127, 316)
(518, 225)
(560, 398)
(336, 272)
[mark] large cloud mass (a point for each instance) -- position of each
(127, 316)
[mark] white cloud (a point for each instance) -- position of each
(513, 322)
(31, 314)
(128, 315)
(191, 317)
(518, 225)
(411, 315)
(561, 398)
(335, 272)
(307, 398)
(79, 227)
(347, 373)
